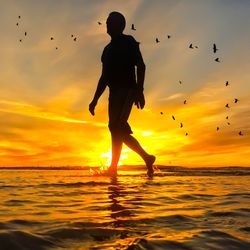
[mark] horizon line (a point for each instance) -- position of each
(73, 167)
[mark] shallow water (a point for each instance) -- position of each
(177, 209)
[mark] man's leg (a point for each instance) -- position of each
(116, 152)
(120, 104)
(132, 143)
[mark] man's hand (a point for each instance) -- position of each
(92, 107)
(139, 99)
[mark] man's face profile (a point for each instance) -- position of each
(115, 24)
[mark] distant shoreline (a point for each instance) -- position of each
(125, 167)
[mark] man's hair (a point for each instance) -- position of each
(118, 18)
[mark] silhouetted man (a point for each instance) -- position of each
(119, 60)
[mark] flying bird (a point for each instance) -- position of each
(99, 23)
(19, 17)
(191, 46)
(181, 125)
(17, 24)
(173, 117)
(227, 117)
(186, 134)
(75, 39)
(72, 35)
(227, 105)
(180, 82)
(25, 33)
(240, 133)
(217, 59)
(157, 40)
(228, 123)
(196, 47)
(185, 102)
(20, 40)
(214, 48)
(217, 128)
(52, 38)
(56, 47)
(161, 113)
(133, 27)
(227, 83)
(169, 36)
(236, 100)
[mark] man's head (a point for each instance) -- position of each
(115, 23)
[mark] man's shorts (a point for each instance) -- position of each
(120, 105)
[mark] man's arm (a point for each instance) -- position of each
(101, 86)
(140, 72)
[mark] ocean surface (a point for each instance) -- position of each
(178, 208)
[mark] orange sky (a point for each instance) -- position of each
(45, 92)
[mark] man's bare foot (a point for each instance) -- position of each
(149, 164)
(105, 172)
(109, 172)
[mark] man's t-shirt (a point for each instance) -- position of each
(119, 58)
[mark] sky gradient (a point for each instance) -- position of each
(45, 91)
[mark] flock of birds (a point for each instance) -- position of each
(191, 46)
(74, 38)
(236, 100)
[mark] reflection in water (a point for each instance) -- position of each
(116, 193)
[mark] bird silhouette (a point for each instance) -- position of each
(180, 82)
(214, 48)
(56, 47)
(133, 27)
(25, 33)
(99, 23)
(17, 24)
(75, 39)
(236, 100)
(181, 125)
(20, 40)
(169, 36)
(228, 123)
(240, 133)
(227, 105)
(227, 83)
(173, 117)
(52, 38)
(185, 102)
(186, 134)
(217, 59)
(161, 113)
(157, 40)
(191, 46)
(72, 35)
(227, 117)
(217, 128)
(196, 47)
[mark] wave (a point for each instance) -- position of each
(224, 214)
(20, 240)
(100, 234)
(74, 184)
(212, 239)
(97, 234)
(195, 196)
